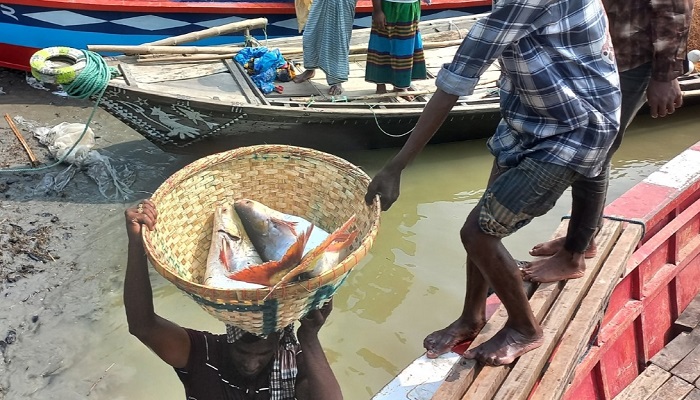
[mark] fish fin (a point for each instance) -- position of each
(224, 255)
(292, 225)
(264, 274)
(259, 274)
(340, 236)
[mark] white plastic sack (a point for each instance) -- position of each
(62, 137)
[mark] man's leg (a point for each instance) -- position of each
(633, 84)
(587, 207)
(514, 198)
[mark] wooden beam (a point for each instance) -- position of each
(690, 317)
(676, 350)
(577, 334)
(645, 384)
(674, 389)
(689, 367)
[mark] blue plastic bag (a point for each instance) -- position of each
(264, 68)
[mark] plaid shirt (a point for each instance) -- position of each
(653, 31)
(559, 88)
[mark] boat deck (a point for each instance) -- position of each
(674, 372)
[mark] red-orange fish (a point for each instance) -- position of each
(325, 256)
(279, 242)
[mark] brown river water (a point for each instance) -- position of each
(411, 283)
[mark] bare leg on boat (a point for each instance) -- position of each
(381, 88)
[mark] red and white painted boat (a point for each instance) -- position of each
(658, 284)
(29, 25)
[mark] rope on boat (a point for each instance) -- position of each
(376, 120)
(92, 81)
(619, 219)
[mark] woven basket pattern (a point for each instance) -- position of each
(320, 187)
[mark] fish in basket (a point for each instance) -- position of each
(315, 192)
(254, 246)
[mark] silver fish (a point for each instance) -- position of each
(230, 251)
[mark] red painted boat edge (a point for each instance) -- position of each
(660, 280)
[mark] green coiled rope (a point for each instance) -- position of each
(92, 81)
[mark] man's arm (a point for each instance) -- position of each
(670, 23)
(168, 340)
(316, 378)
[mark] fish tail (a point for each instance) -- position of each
(340, 236)
(263, 274)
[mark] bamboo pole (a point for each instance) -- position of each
(370, 96)
(165, 49)
(227, 50)
(184, 59)
(14, 129)
(211, 32)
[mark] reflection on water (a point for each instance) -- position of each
(410, 284)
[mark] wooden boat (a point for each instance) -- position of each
(158, 100)
(620, 324)
(30, 25)
(184, 105)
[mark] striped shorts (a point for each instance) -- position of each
(522, 193)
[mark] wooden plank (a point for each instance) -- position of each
(693, 395)
(601, 282)
(243, 81)
(676, 350)
(460, 379)
(170, 72)
(645, 384)
(674, 389)
(127, 75)
(574, 341)
(690, 317)
(689, 367)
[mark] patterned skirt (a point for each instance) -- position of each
(395, 53)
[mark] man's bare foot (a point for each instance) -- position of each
(335, 90)
(442, 341)
(550, 248)
(304, 76)
(562, 265)
(408, 97)
(381, 88)
(504, 347)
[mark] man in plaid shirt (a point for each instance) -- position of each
(650, 39)
(560, 104)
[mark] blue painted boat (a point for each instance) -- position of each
(30, 25)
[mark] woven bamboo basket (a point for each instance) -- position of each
(320, 187)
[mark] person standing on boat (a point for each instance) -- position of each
(560, 106)
(650, 40)
(326, 42)
(395, 50)
(237, 365)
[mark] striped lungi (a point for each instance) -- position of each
(327, 38)
(395, 53)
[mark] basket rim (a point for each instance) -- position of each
(261, 294)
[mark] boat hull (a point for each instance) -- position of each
(29, 25)
(195, 127)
